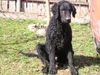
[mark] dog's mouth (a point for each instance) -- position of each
(66, 21)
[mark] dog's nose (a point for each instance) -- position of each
(68, 20)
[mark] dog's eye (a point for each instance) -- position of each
(69, 9)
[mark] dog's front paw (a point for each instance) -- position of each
(52, 71)
(45, 70)
(74, 72)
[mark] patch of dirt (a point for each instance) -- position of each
(64, 72)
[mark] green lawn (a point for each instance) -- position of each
(15, 36)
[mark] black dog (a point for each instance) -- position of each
(58, 40)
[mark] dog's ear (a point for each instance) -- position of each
(55, 9)
(73, 10)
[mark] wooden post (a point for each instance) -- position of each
(0, 4)
(89, 4)
(18, 5)
(48, 10)
(7, 5)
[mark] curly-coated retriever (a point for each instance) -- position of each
(58, 47)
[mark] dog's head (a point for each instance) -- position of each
(63, 10)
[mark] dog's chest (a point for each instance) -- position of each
(59, 35)
(62, 37)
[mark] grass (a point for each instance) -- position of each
(15, 36)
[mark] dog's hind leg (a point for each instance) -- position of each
(43, 56)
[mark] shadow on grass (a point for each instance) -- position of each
(82, 61)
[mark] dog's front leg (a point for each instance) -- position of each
(52, 67)
(71, 63)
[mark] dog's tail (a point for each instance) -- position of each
(29, 54)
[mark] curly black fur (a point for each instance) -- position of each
(58, 39)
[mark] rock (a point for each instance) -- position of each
(34, 28)
(41, 31)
